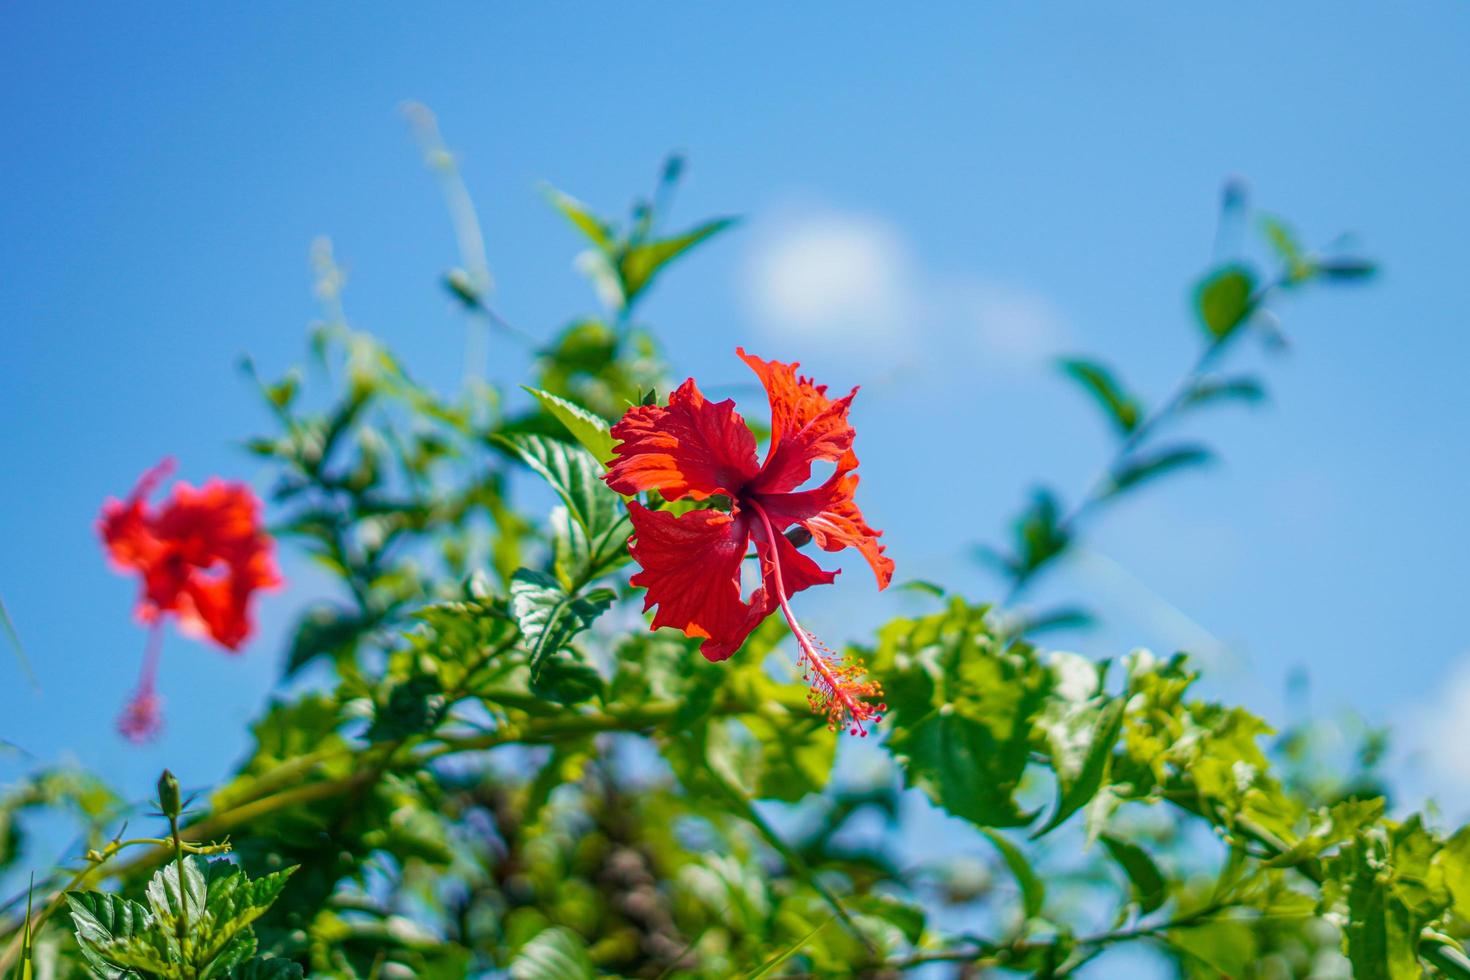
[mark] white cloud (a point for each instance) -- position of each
(826, 274)
(830, 274)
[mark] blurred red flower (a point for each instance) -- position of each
(201, 555)
(691, 563)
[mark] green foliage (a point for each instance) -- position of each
(1121, 409)
(1225, 299)
(484, 764)
(193, 932)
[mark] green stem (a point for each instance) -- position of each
(183, 922)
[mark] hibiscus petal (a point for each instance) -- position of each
(126, 526)
(216, 537)
(831, 514)
(798, 571)
(691, 569)
(694, 448)
(806, 426)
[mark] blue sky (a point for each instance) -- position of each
(937, 199)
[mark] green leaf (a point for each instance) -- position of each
(1122, 409)
(576, 477)
(587, 428)
(549, 618)
(957, 762)
(573, 560)
(116, 936)
(1330, 826)
(795, 760)
(169, 903)
(234, 902)
(1224, 300)
(1379, 934)
(553, 954)
(1454, 862)
(639, 264)
(1227, 946)
(1081, 748)
(597, 231)
(1149, 887)
(1143, 467)
(1039, 533)
(1033, 892)
(1207, 391)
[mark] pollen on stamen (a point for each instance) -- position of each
(840, 688)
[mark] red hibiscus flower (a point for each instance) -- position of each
(201, 556)
(691, 564)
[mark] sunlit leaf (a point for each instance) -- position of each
(597, 232)
(1224, 300)
(639, 264)
(587, 428)
(554, 954)
(1081, 746)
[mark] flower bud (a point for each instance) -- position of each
(168, 794)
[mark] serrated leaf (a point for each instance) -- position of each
(1081, 748)
(1033, 892)
(1224, 300)
(553, 954)
(589, 429)
(548, 617)
(639, 264)
(1122, 409)
(576, 478)
(116, 935)
(1149, 888)
(234, 902)
(1143, 467)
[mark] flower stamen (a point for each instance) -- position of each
(142, 716)
(840, 689)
